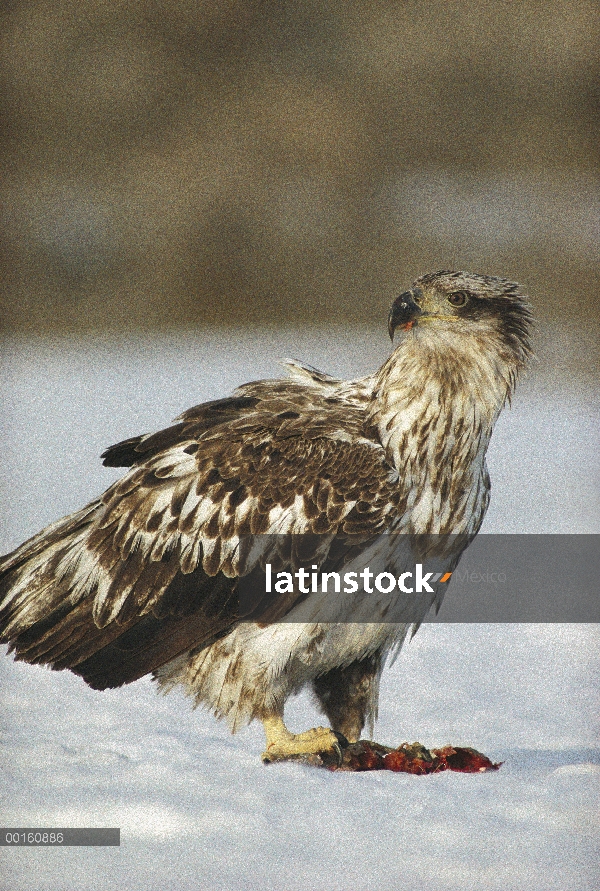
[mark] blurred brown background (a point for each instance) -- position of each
(180, 163)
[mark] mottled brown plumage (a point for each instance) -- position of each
(145, 579)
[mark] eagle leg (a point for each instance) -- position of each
(282, 744)
(348, 696)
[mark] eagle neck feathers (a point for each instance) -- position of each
(435, 402)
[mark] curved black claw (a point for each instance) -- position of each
(338, 754)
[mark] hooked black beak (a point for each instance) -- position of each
(404, 311)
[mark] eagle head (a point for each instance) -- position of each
(466, 303)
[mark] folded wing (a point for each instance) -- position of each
(150, 569)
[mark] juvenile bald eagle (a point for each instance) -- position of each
(145, 578)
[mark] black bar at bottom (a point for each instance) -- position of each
(59, 838)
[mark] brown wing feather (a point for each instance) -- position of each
(150, 569)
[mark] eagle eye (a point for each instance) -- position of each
(458, 298)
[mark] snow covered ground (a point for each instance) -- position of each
(196, 807)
